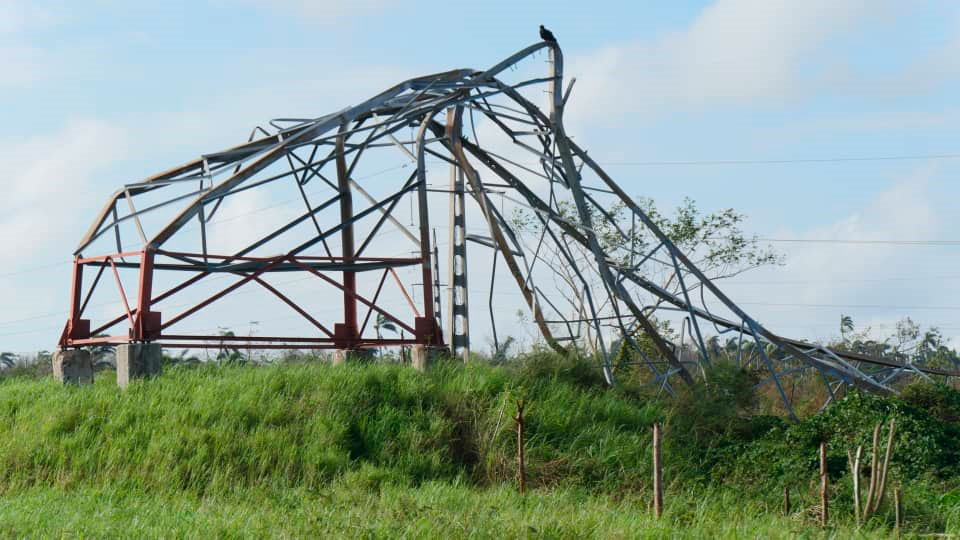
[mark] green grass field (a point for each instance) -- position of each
(377, 451)
(434, 509)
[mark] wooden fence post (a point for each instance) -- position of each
(824, 500)
(898, 510)
(657, 472)
(786, 500)
(521, 472)
(874, 474)
(855, 470)
(882, 482)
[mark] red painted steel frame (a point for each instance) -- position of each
(146, 324)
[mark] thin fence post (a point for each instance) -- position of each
(786, 500)
(855, 471)
(882, 482)
(521, 472)
(874, 474)
(824, 501)
(898, 510)
(657, 472)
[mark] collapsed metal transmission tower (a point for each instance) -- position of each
(515, 152)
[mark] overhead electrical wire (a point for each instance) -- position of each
(672, 163)
(843, 159)
(855, 241)
(214, 222)
(667, 163)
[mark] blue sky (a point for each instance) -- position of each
(102, 93)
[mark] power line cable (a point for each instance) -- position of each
(35, 268)
(856, 241)
(737, 282)
(844, 159)
(778, 304)
(850, 306)
(654, 163)
(214, 222)
(212, 278)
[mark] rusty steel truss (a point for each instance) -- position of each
(534, 165)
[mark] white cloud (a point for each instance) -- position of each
(940, 66)
(328, 9)
(17, 15)
(903, 212)
(881, 121)
(55, 168)
(50, 180)
(242, 221)
(735, 51)
(21, 66)
(844, 274)
(49, 188)
(46, 215)
(21, 62)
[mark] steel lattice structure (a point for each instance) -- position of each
(620, 299)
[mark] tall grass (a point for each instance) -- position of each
(350, 509)
(210, 430)
(277, 448)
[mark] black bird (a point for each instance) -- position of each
(547, 35)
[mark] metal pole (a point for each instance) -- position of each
(76, 294)
(657, 471)
(346, 236)
(428, 335)
(438, 311)
(76, 291)
(145, 327)
(458, 323)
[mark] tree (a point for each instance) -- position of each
(499, 351)
(846, 325)
(102, 354)
(908, 344)
(8, 359)
(229, 353)
(182, 358)
(383, 323)
(714, 242)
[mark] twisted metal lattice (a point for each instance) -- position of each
(528, 160)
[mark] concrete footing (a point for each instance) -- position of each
(73, 366)
(136, 361)
(422, 356)
(344, 356)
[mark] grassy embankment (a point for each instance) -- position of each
(381, 450)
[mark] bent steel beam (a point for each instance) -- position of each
(613, 288)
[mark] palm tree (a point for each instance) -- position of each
(714, 348)
(229, 353)
(382, 324)
(101, 354)
(181, 358)
(500, 351)
(846, 325)
(732, 350)
(8, 359)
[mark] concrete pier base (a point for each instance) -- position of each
(73, 366)
(422, 356)
(136, 361)
(345, 356)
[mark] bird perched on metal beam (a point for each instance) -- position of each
(547, 35)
